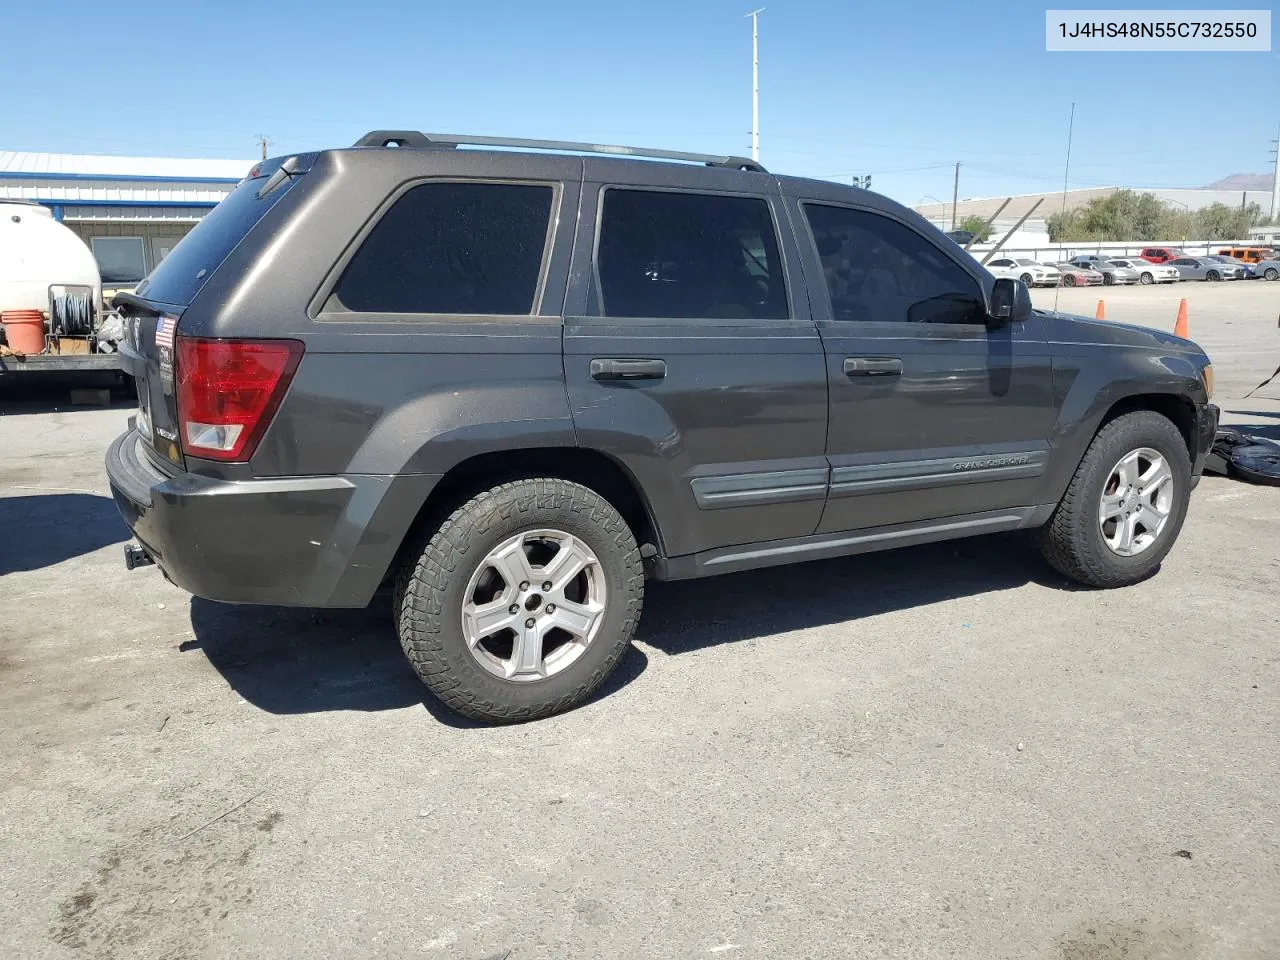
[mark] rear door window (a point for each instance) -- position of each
(453, 248)
(689, 255)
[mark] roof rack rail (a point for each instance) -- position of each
(412, 138)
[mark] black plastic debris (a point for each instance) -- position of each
(1227, 439)
(1257, 462)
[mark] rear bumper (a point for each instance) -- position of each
(1206, 432)
(290, 541)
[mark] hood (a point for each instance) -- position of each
(1072, 328)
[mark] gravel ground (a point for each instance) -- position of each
(939, 752)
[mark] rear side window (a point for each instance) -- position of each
(181, 274)
(459, 248)
(689, 255)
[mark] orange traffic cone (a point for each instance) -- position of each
(1180, 325)
(1102, 311)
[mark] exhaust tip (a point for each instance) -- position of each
(135, 556)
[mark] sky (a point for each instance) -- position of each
(900, 90)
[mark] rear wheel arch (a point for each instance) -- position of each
(590, 468)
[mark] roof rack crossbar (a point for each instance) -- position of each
(411, 138)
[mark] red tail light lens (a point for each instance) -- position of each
(228, 391)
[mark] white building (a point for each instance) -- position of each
(131, 211)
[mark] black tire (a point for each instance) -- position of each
(1108, 279)
(1028, 279)
(1146, 279)
(1213, 276)
(1072, 540)
(1271, 273)
(1069, 280)
(430, 588)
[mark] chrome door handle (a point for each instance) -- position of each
(628, 369)
(872, 366)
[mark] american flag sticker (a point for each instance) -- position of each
(165, 328)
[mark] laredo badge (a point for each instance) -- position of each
(165, 329)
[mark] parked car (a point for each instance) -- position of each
(1111, 274)
(1268, 269)
(1074, 275)
(1246, 254)
(1148, 272)
(1030, 272)
(1247, 268)
(1160, 254)
(1206, 268)
(376, 366)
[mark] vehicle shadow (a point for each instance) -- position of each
(46, 529)
(31, 394)
(289, 661)
(691, 615)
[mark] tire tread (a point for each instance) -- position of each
(1067, 541)
(421, 584)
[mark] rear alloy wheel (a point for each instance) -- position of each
(522, 602)
(1213, 275)
(534, 605)
(1271, 273)
(1125, 505)
(1146, 279)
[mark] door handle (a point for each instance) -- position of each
(628, 369)
(872, 366)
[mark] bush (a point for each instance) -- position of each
(1130, 216)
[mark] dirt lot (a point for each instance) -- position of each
(941, 752)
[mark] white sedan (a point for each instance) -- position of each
(1149, 272)
(1030, 272)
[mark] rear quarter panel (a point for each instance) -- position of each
(392, 394)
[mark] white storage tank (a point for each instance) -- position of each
(37, 252)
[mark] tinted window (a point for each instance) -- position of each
(689, 255)
(181, 274)
(452, 248)
(879, 269)
(120, 259)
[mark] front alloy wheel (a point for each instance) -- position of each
(1136, 502)
(1125, 504)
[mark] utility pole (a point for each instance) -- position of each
(955, 196)
(1275, 182)
(262, 142)
(755, 83)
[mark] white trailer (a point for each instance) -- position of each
(45, 267)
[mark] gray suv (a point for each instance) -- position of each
(512, 384)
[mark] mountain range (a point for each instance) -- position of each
(1241, 181)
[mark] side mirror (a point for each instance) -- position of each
(1010, 302)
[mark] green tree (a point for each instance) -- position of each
(977, 226)
(1129, 216)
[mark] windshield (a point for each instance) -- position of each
(180, 275)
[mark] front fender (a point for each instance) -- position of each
(1091, 380)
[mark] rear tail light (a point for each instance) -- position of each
(228, 391)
